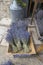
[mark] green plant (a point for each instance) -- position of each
(23, 4)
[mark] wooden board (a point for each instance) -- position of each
(40, 48)
(30, 53)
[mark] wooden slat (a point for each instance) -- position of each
(36, 35)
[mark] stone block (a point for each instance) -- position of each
(1, 37)
(5, 21)
(4, 46)
(2, 30)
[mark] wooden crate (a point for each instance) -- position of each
(4, 42)
(33, 51)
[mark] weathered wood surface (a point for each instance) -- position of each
(32, 60)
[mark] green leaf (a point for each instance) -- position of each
(23, 4)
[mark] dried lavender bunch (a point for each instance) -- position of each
(17, 35)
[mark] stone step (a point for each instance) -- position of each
(26, 61)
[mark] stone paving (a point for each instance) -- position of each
(9, 59)
(4, 8)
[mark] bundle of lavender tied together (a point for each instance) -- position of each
(18, 36)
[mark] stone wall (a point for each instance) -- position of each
(4, 8)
